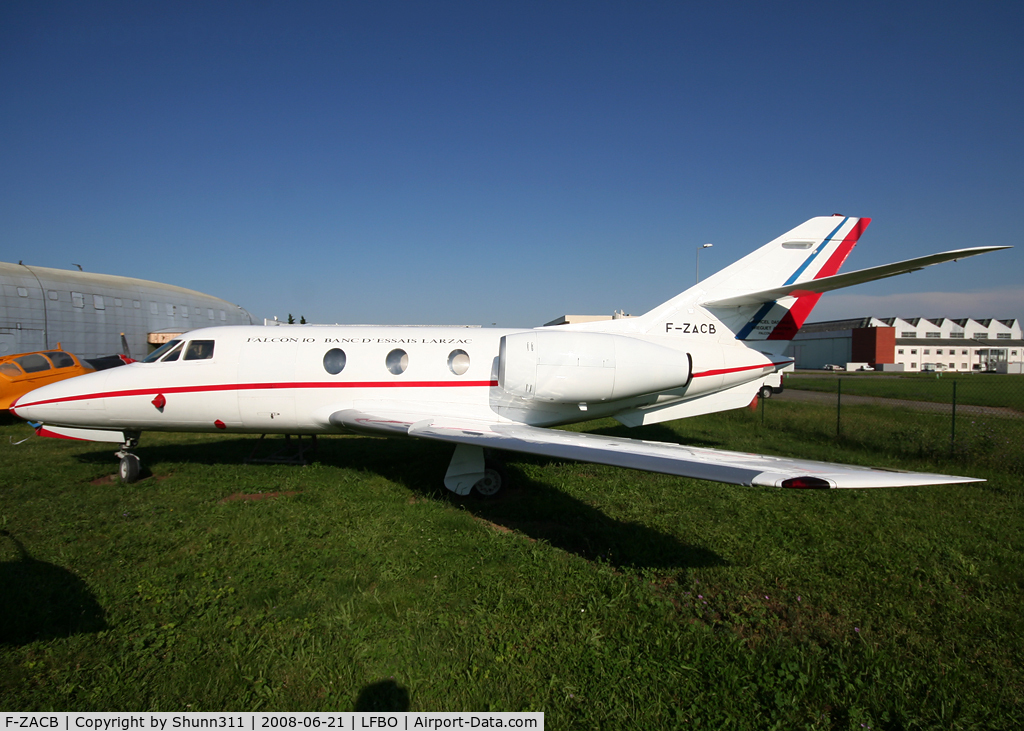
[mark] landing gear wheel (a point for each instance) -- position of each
(766, 392)
(128, 470)
(495, 477)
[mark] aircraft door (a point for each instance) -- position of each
(266, 368)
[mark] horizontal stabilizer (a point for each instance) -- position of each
(838, 281)
(736, 468)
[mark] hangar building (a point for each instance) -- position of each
(86, 313)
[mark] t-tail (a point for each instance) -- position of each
(765, 297)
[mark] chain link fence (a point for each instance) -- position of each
(975, 419)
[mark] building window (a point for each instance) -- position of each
(913, 365)
(901, 351)
(913, 351)
(1003, 336)
(963, 366)
(908, 335)
(963, 352)
(933, 335)
(952, 365)
(927, 351)
(956, 335)
(938, 352)
(980, 336)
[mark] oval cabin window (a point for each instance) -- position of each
(458, 362)
(397, 361)
(334, 361)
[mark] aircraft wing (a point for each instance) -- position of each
(838, 281)
(737, 468)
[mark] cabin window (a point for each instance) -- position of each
(199, 350)
(117, 302)
(153, 309)
(9, 369)
(223, 316)
(209, 313)
(60, 359)
(184, 310)
(334, 361)
(172, 356)
(97, 302)
(397, 361)
(458, 362)
(33, 363)
(52, 295)
(22, 292)
(136, 304)
(78, 299)
(160, 352)
(170, 310)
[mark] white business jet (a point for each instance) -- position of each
(708, 349)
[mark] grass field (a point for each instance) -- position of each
(975, 389)
(606, 598)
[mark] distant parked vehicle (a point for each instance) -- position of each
(832, 367)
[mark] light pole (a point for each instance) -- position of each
(705, 246)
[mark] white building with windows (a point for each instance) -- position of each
(913, 344)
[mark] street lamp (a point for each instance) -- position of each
(705, 246)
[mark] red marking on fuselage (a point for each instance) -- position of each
(721, 371)
(264, 387)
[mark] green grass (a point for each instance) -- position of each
(606, 598)
(977, 389)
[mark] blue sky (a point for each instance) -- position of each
(478, 163)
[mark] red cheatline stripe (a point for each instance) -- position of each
(264, 387)
(733, 370)
(794, 319)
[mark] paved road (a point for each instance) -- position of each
(818, 397)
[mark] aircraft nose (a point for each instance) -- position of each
(67, 402)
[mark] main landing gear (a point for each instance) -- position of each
(130, 467)
(471, 471)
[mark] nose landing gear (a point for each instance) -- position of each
(129, 468)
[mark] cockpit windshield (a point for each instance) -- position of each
(161, 351)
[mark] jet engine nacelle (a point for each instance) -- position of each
(580, 367)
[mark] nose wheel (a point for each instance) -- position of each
(128, 469)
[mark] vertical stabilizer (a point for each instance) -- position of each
(812, 250)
